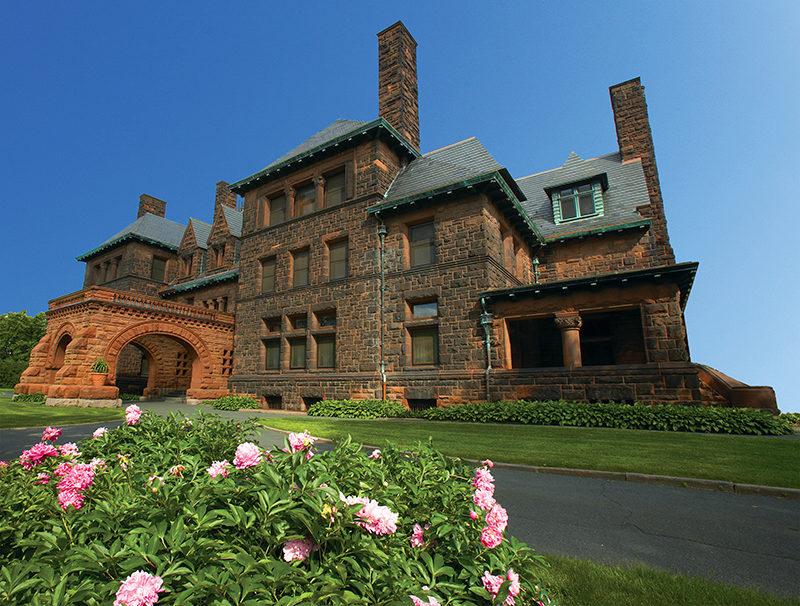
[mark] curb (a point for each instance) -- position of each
(641, 478)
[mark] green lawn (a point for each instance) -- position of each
(27, 414)
(739, 459)
(583, 583)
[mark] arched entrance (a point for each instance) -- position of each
(60, 355)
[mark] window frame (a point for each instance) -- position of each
(415, 246)
(597, 185)
(419, 332)
(264, 263)
(163, 269)
(340, 173)
(303, 253)
(345, 263)
(325, 340)
(283, 214)
(275, 346)
(293, 343)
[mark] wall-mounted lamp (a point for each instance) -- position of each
(535, 262)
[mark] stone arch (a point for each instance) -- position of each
(64, 335)
(154, 362)
(201, 363)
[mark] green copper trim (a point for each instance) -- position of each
(598, 230)
(123, 238)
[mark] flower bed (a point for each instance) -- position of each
(154, 511)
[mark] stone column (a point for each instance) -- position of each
(291, 211)
(112, 272)
(319, 194)
(104, 271)
(569, 323)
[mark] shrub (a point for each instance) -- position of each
(235, 403)
(29, 397)
(129, 396)
(666, 417)
(359, 409)
(273, 529)
(793, 418)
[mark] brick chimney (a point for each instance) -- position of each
(397, 81)
(636, 141)
(224, 197)
(149, 204)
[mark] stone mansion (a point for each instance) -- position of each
(358, 267)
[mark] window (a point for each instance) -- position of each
(326, 318)
(272, 324)
(219, 255)
(424, 346)
(186, 265)
(421, 248)
(272, 355)
(299, 322)
(158, 269)
(326, 352)
(277, 210)
(261, 211)
(334, 190)
(305, 200)
(297, 353)
(578, 201)
(300, 277)
(338, 257)
(424, 310)
(268, 275)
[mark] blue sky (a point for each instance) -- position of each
(105, 101)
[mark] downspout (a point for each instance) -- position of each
(382, 236)
(486, 322)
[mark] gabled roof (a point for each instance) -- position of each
(234, 220)
(461, 166)
(200, 282)
(627, 189)
(327, 142)
(147, 228)
(201, 232)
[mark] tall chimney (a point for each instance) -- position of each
(636, 141)
(397, 81)
(224, 196)
(149, 204)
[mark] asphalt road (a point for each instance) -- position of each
(744, 540)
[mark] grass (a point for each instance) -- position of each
(739, 459)
(27, 414)
(583, 583)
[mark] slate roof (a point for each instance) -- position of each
(451, 164)
(337, 129)
(201, 282)
(147, 228)
(234, 219)
(201, 232)
(627, 189)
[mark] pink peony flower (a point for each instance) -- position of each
(176, 470)
(301, 441)
(377, 519)
(100, 431)
(96, 464)
(63, 469)
(376, 454)
(43, 478)
(417, 602)
(491, 537)
(491, 583)
(473, 515)
(297, 549)
(497, 517)
(70, 497)
(70, 449)
(417, 534)
(37, 454)
(132, 414)
(79, 477)
(483, 480)
(139, 589)
(487, 463)
(483, 499)
(247, 455)
(219, 468)
(515, 586)
(50, 434)
(3, 463)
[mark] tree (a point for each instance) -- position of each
(19, 334)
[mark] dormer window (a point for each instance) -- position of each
(573, 201)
